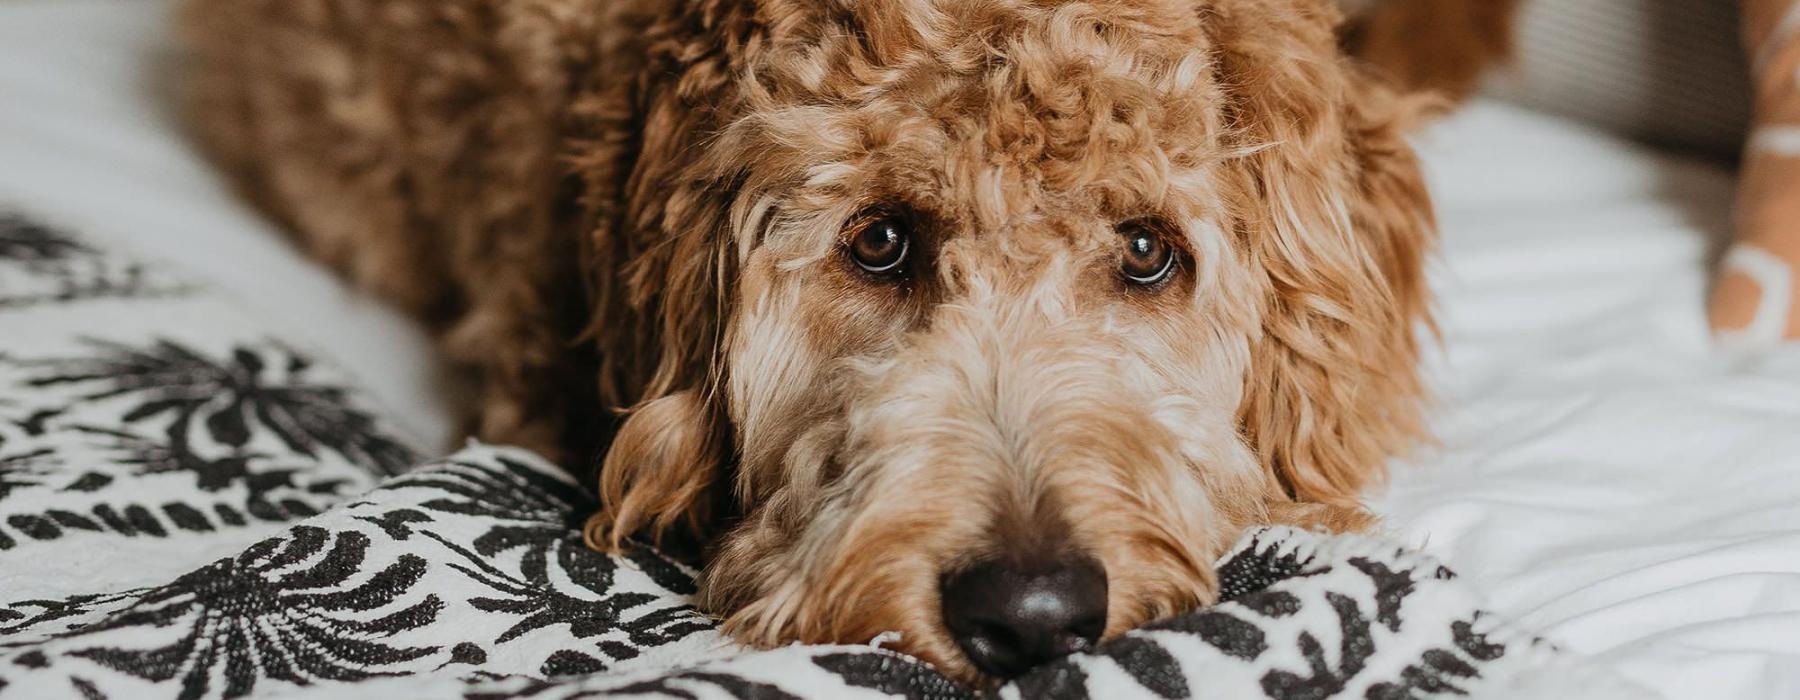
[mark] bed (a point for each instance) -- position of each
(1602, 475)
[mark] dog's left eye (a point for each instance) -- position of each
(880, 243)
(1148, 257)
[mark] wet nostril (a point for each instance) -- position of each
(1008, 618)
(997, 635)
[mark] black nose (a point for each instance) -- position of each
(1009, 618)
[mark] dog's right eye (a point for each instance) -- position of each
(880, 243)
(1148, 260)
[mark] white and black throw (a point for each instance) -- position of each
(190, 508)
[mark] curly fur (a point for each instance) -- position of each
(626, 216)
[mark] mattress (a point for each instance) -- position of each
(1600, 471)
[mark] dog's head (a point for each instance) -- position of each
(993, 322)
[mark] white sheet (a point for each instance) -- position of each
(1602, 472)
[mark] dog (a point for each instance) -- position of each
(987, 322)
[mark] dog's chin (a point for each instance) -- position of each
(934, 647)
(884, 608)
(897, 625)
(879, 596)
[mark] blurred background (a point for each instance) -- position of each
(1670, 73)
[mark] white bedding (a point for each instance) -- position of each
(1602, 472)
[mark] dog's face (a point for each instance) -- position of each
(1023, 313)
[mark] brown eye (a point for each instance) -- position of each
(1148, 257)
(881, 244)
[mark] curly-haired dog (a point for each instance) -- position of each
(990, 322)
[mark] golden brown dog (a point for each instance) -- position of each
(990, 322)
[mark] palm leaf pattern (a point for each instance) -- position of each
(24, 469)
(27, 242)
(540, 516)
(50, 266)
(221, 400)
(266, 614)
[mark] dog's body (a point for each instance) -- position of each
(1442, 47)
(898, 304)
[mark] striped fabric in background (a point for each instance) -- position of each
(1668, 72)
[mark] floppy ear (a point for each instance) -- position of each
(660, 268)
(658, 473)
(1338, 222)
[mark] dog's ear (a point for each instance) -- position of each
(1337, 221)
(659, 261)
(658, 474)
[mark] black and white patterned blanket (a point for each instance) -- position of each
(189, 508)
